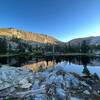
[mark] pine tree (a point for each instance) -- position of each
(3, 46)
(96, 76)
(84, 47)
(86, 71)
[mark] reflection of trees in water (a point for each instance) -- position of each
(19, 61)
(7, 60)
(3, 60)
(58, 59)
(71, 59)
(47, 61)
(22, 59)
(85, 60)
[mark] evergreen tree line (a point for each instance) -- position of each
(6, 47)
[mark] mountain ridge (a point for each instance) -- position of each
(91, 40)
(30, 36)
(43, 38)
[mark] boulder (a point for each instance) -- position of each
(36, 84)
(86, 92)
(72, 81)
(10, 76)
(51, 79)
(41, 97)
(83, 83)
(61, 93)
(24, 83)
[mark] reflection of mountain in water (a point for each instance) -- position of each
(44, 64)
(80, 60)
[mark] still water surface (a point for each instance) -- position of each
(46, 62)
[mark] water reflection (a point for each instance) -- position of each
(45, 62)
(50, 62)
(36, 65)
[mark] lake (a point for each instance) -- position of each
(50, 61)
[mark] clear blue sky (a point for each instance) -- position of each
(63, 19)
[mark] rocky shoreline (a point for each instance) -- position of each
(51, 84)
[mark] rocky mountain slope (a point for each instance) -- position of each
(95, 41)
(34, 37)
(89, 40)
(41, 38)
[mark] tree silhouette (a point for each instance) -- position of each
(84, 47)
(3, 46)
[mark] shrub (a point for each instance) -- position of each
(96, 76)
(86, 71)
(10, 98)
